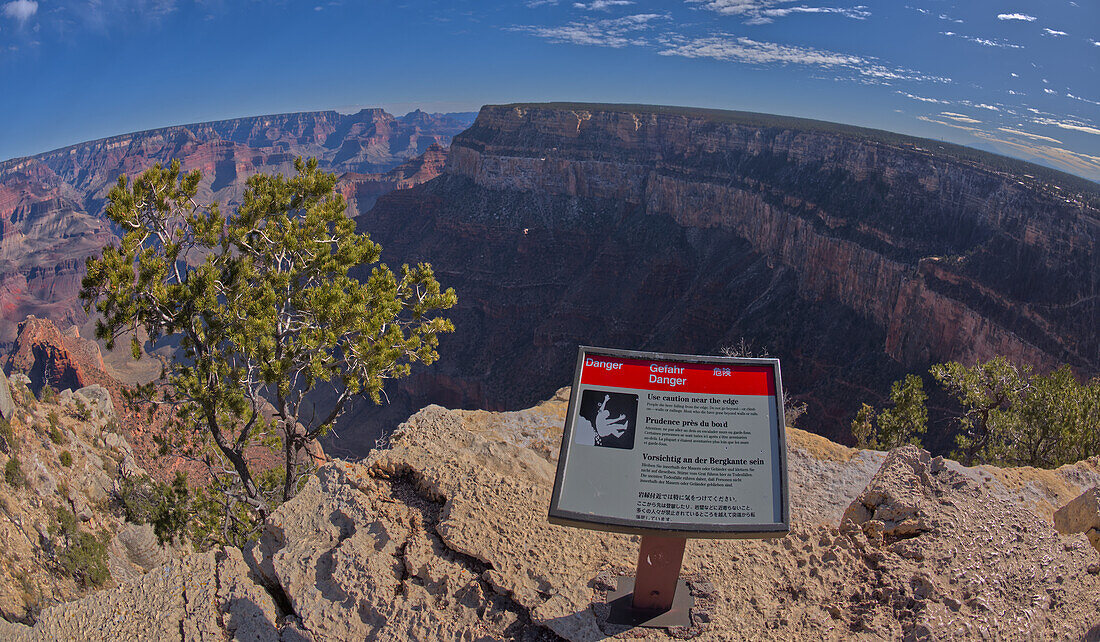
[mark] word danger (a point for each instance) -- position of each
(589, 362)
(657, 374)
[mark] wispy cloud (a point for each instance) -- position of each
(764, 11)
(947, 124)
(1072, 125)
(961, 118)
(1016, 16)
(746, 50)
(613, 32)
(1084, 100)
(985, 42)
(602, 5)
(924, 99)
(1081, 163)
(1019, 132)
(21, 10)
(1053, 32)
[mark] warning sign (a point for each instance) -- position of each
(673, 443)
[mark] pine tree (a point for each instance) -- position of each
(265, 313)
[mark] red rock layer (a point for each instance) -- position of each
(51, 205)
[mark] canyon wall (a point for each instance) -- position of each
(51, 205)
(853, 255)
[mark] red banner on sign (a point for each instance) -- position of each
(672, 376)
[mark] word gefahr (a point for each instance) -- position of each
(656, 371)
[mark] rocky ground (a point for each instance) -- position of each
(64, 460)
(443, 535)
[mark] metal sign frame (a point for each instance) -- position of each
(562, 517)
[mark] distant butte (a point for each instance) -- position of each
(51, 205)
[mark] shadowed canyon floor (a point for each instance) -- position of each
(443, 535)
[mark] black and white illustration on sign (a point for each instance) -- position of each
(611, 418)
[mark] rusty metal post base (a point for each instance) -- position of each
(623, 612)
(656, 597)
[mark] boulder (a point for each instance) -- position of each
(134, 551)
(7, 405)
(98, 396)
(897, 502)
(1082, 515)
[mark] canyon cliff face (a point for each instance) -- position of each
(855, 256)
(51, 205)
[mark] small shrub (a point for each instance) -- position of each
(66, 524)
(13, 473)
(65, 458)
(56, 436)
(81, 410)
(47, 394)
(136, 497)
(7, 436)
(24, 393)
(166, 506)
(85, 559)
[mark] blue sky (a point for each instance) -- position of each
(1018, 77)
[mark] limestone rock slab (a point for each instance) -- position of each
(1082, 515)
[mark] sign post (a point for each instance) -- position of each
(671, 447)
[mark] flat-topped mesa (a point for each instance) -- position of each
(955, 259)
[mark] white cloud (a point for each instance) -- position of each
(986, 42)
(949, 18)
(946, 124)
(538, 3)
(1073, 125)
(1049, 91)
(962, 118)
(1015, 75)
(1030, 135)
(1095, 42)
(1016, 16)
(759, 12)
(1084, 100)
(923, 99)
(615, 33)
(749, 51)
(985, 106)
(1077, 162)
(602, 5)
(1052, 32)
(20, 10)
